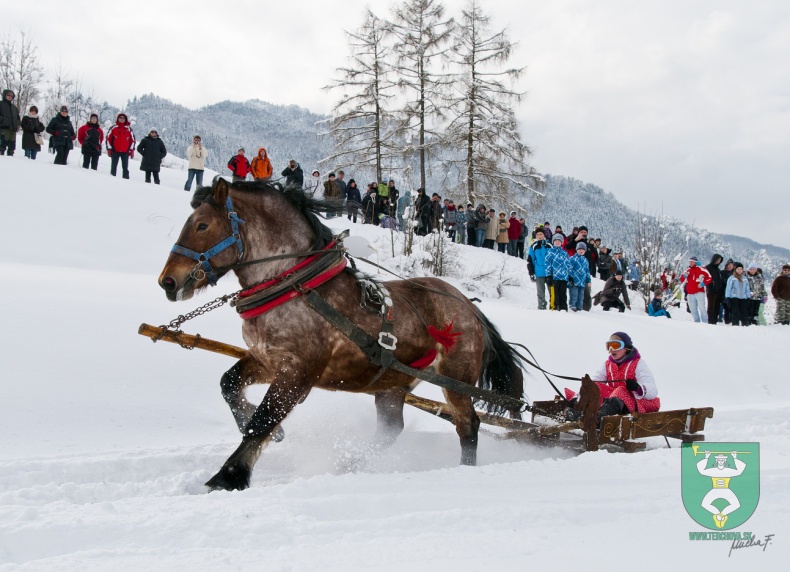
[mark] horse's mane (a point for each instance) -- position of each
(295, 196)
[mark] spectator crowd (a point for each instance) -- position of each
(561, 266)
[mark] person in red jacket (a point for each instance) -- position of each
(239, 166)
(120, 145)
(696, 278)
(513, 233)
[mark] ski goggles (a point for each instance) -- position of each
(614, 345)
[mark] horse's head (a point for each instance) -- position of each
(208, 243)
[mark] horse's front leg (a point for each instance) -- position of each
(247, 371)
(283, 394)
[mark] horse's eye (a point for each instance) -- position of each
(202, 226)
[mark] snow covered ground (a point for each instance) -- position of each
(106, 439)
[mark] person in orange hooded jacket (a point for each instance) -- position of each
(261, 167)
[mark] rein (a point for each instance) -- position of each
(203, 265)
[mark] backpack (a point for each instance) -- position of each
(384, 190)
(92, 140)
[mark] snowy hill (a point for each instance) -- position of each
(107, 439)
(285, 131)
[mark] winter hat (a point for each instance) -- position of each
(581, 246)
(752, 266)
(557, 236)
(512, 213)
(64, 108)
(315, 172)
(618, 272)
(785, 266)
(625, 337)
(94, 115)
(353, 181)
(694, 259)
(582, 227)
(541, 230)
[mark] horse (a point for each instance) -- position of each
(268, 235)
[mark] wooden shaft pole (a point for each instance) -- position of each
(189, 340)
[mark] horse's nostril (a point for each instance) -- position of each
(169, 284)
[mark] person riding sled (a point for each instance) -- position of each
(625, 381)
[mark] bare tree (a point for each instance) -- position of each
(361, 125)
(20, 69)
(651, 253)
(58, 91)
(488, 160)
(422, 39)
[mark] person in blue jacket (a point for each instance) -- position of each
(738, 293)
(656, 306)
(536, 264)
(558, 267)
(578, 277)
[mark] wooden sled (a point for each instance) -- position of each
(547, 427)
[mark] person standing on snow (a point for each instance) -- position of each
(9, 123)
(91, 137)
(239, 165)
(63, 135)
(196, 157)
(780, 290)
(715, 290)
(32, 128)
(153, 150)
(261, 166)
(120, 145)
(293, 174)
(696, 278)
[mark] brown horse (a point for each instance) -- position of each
(261, 231)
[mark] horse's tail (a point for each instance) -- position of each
(501, 369)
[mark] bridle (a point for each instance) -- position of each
(203, 267)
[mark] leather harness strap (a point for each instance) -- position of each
(386, 359)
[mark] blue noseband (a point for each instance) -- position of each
(203, 257)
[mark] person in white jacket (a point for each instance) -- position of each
(196, 154)
(625, 381)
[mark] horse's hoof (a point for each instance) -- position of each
(229, 478)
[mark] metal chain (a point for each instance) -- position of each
(175, 325)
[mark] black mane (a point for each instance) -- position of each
(308, 206)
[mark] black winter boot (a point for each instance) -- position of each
(611, 406)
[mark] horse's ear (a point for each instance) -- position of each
(220, 189)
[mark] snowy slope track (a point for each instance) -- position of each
(106, 439)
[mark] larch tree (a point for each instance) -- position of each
(361, 125)
(20, 69)
(487, 159)
(422, 40)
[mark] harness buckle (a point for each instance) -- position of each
(387, 341)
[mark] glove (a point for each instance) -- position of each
(532, 277)
(549, 280)
(131, 154)
(631, 385)
(109, 152)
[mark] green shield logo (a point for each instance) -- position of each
(720, 483)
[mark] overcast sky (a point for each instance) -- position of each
(673, 105)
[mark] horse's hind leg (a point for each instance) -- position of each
(234, 382)
(389, 410)
(466, 425)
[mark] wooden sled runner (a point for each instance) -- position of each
(547, 427)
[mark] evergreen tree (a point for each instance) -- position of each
(422, 38)
(487, 161)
